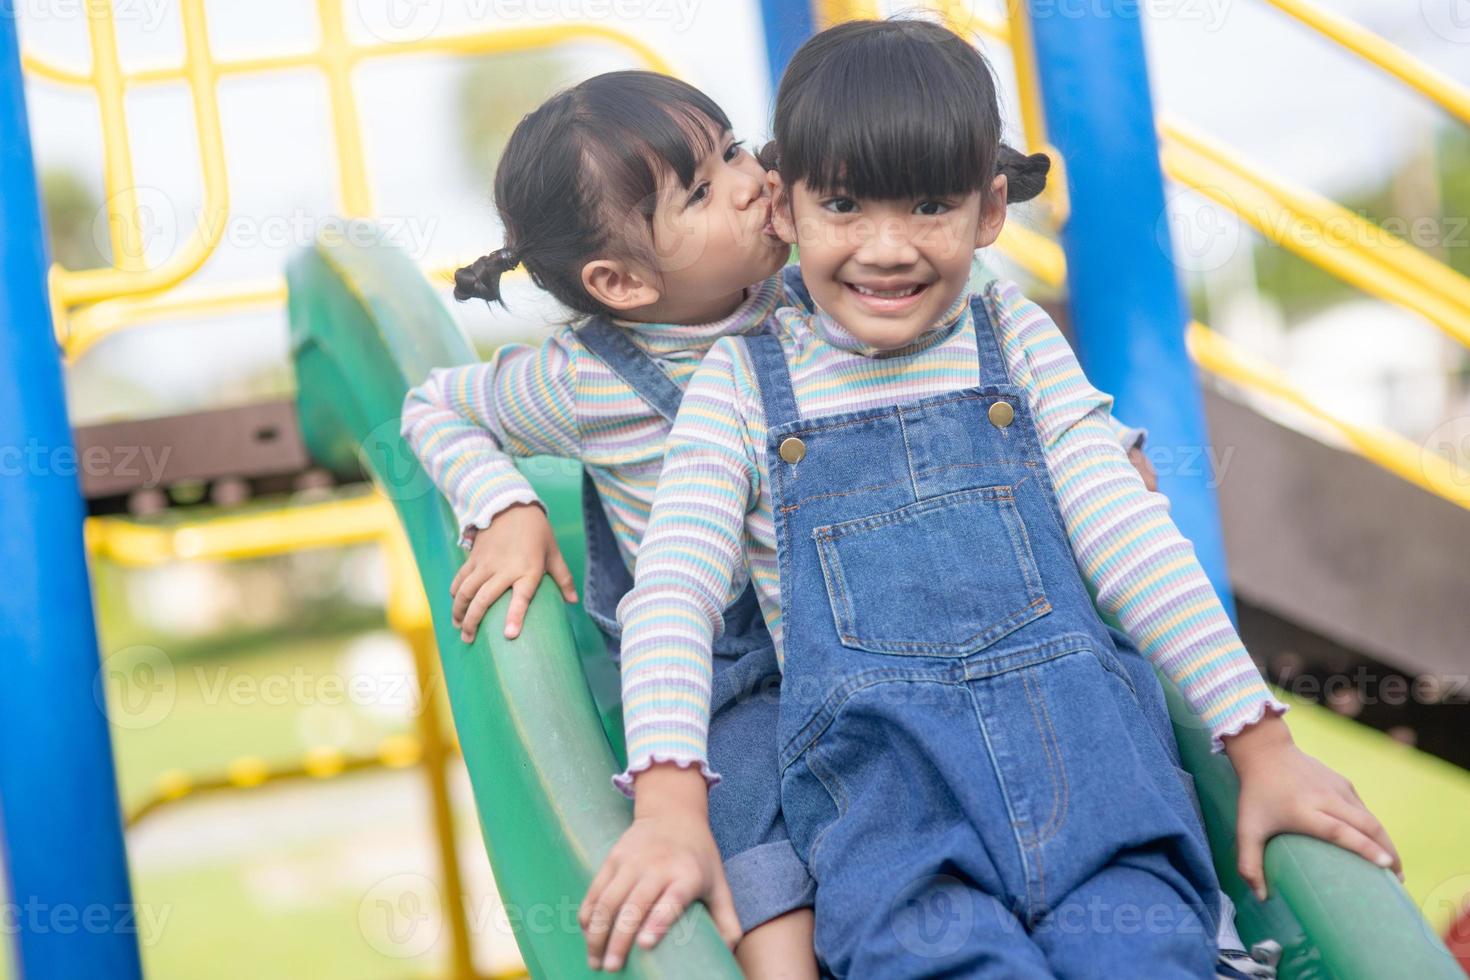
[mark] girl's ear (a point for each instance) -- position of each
(781, 216)
(992, 213)
(618, 285)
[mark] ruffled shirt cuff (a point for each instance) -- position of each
(1248, 714)
(623, 781)
(469, 527)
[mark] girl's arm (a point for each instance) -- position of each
(1139, 566)
(464, 424)
(1145, 572)
(461, 422)
(690, 567)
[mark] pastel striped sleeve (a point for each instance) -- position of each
(1140, 568)
(1128, 437)
(691, 566)
(464, 424)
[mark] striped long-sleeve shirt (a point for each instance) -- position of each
(711, 530)
(558, 399)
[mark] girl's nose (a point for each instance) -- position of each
(748, 189)
(887, 245)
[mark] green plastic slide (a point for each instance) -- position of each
(538, 720)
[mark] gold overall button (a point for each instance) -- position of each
(1002, 414)
(793, 450)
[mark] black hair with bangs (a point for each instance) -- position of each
(578, 167)
(894, 109)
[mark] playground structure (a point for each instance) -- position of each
(366, 324)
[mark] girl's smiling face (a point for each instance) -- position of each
(711, 240)
(887, 270)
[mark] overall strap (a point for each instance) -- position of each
(794, 288)
(987, 345)
(628, 361)
(606, 579)
(769, 362)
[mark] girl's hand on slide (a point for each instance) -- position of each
(662, 863)
(1284, 790)
(514, 552)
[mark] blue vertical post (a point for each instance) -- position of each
(1127, 301)
(788, 23)
(69, 902)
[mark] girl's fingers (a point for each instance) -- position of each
(666, 911)
(722, 909)
(469, 584)
(520, 600)
(454, 584)
(601, 913)
(628, 919)
(1330, 828)
(483, 600)
(604, 875)
(1250, 846)
(562, 576)
(1356, 815)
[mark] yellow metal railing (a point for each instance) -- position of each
(368, 519)
(1349, 246)
(91, 304)
(1213, 353)
(337, 56)
(1449, 94)
(1345, 244)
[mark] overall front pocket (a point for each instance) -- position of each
(941, 577)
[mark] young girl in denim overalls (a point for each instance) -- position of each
(918, 485)
(604, 389)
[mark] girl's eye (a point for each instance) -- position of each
(840, 205)
(699, 194)
(734, 150)
(931, 208)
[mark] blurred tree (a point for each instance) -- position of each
(494, 95)
(71, 215)
(1301, 288)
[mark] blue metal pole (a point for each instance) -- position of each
(788, 24)
(1126, 298)
(69, 903)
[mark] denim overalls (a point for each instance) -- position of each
(765, 876)
(974, 776)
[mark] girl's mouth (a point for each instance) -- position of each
(895, 298)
